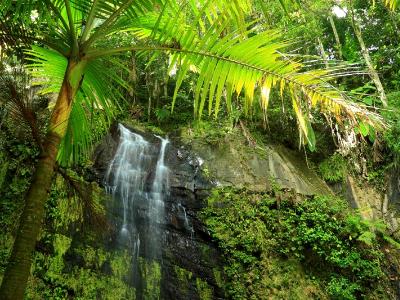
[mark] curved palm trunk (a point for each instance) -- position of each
(18, 268)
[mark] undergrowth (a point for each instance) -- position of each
(279, 248)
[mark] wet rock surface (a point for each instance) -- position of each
(391, 205)
(233, 163)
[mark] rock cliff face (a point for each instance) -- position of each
(391, 203)
(191, 266)
(374, 205)
(190, 263)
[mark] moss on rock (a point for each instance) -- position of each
(151, 276)
(279, 248)
(184, 277)
(204, 290)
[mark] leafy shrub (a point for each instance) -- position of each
(325, 247)
(392, 135)
(341, 288)
(334, 168)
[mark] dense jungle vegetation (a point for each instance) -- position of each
(321, 78)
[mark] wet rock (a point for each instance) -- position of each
(364, 198)
(233, 163)
(391, 205)
(186, 243)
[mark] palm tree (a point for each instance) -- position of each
(210, 37)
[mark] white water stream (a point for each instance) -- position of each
(140, 184)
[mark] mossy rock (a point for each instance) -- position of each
(231, 162)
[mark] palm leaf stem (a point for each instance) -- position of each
(90, 19)
(51, 6)
(75, 47)
(102, 30)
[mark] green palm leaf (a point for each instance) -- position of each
(392, 4)
(94, 105)
(230, 59)
(242, 62)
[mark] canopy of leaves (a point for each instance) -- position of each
(232, 56)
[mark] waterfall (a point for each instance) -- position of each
(188, 227)
(140, 186)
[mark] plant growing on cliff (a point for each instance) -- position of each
(210, 37)
(311, 249)
(333, 168)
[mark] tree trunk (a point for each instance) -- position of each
(18, 268)
(335, 33)
(323, 53)
(371, 70)
(133, 78)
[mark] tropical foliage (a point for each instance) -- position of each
(240, 60)
(392, 4)
(222, 68)
(257, 233)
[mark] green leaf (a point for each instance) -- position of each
(368, 101)
(372, 134)
(310, 137)
(368, 237)
(364, 129)
(94, 104)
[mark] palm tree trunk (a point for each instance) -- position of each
(18, 268)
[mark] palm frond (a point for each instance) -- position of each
(19, 28)
(18, 104)
(102, 17)
(103, 9)
(235, 62)
(93, 108)
(238, 63)
(391, 4)
(83, 200)
(231, 59)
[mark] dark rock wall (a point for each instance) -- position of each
(191, 265)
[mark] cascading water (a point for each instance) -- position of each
(188, 227)
(141, 187)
